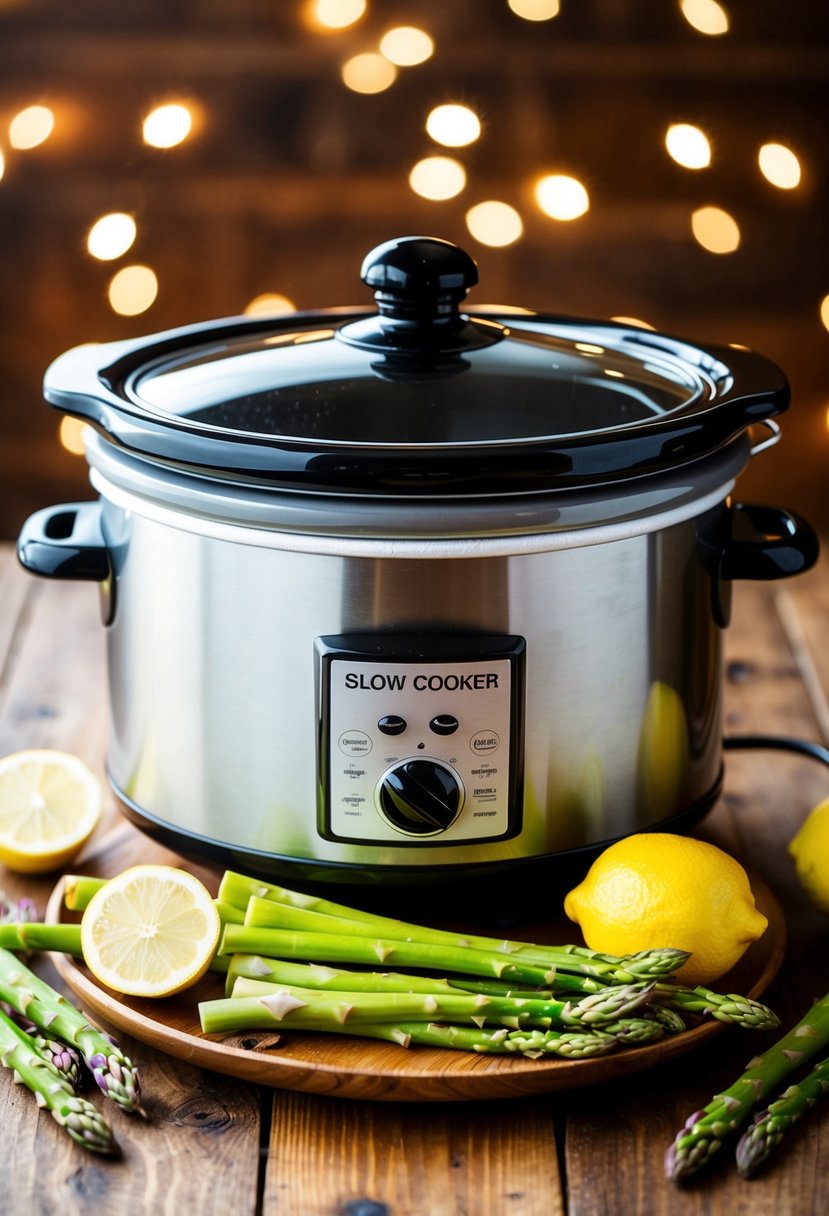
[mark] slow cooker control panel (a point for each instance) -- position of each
(420, 737)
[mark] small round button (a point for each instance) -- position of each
(444, 724)
(392, 724)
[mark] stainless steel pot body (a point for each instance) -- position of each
(215, 693)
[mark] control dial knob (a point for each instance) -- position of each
(420, 797)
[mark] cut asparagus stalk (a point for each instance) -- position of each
(704, 1133)
(276, 1003)
(262, 913)
(53, 1091)
(63, 939)
(764, 1135)
(339, 948)
(34, 935)
(320, 977)
(78, 889)
(272, 910)
(229, 914)
(30, 996)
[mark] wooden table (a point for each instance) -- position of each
(215, 1145)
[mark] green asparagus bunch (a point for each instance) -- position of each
(32, 998)
(52, 1089)
(707, 1131)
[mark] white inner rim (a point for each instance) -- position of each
(344, 546)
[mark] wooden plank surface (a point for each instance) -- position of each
(597, 1151)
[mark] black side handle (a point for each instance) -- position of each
(66, 542)
(751, 541)
(766, 543)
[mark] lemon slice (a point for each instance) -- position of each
(49, 805)
(151, 931)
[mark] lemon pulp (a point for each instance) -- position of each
(50, 804)
(152, 931)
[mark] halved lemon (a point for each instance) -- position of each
(151, 931)
(50, 803)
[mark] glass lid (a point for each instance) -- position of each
(531, 382)
(417, 397)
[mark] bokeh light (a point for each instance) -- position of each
(494, 223)
(715, 230)
(535, 10)
(337, 14)
(437, 178)
(706, 16)
(133, 290)
(824, 311)
(70, 433)
(31, 127)
(561, 197)
(168, 125)
(688, 145)
(636, 322)
(2, 164)
(111, 236)
(780, 166)
(406, 46)
(453, 125)
(270, 304)
(368, 73)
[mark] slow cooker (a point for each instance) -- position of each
(415, 595)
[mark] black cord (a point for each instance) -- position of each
(815, 751)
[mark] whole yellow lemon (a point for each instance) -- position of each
(810, 850)
(656, 889)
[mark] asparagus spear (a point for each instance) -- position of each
(299, 1004)
(770, 1126)
(51, 1089)
(704, 1132)
(34, 935)
(78, 889)
(63, 939)
(114, 1073)
(731, 1008)
(328, 917)
(318, 976)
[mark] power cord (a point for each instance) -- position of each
(815, 751)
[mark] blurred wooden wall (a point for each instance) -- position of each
(289, 178)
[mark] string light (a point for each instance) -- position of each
(31, 127)
(494, 223)
(368, 73)
(270, 304)
(780, 166)
(111, 236)
(168, 125)
(561, 197)
(437, 178)
(406, 46)
(535, 10)
(132, 290)
(337, 14)
(70, 433)
(453, 125)
(715, 230)
(688, 146)
(706, 16)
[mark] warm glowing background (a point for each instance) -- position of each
(661, 160)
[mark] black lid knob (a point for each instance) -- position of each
(419, 277)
